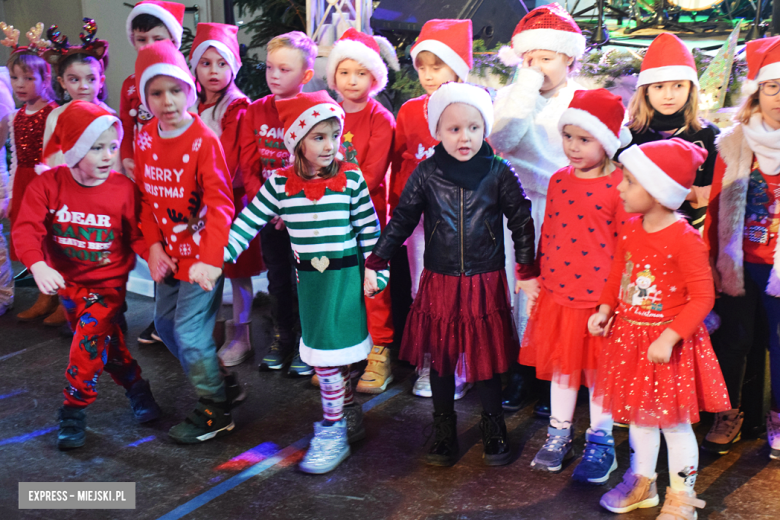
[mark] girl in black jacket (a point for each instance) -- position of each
(462, 309)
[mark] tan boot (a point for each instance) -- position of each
(378, 373)
(43, 306)
(679, 505)
(57, 318)
(634, 492)
(237, 346)
(315, 380)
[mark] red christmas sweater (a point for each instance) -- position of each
(133, 116)
(88, 234)
(368, 135)
(661, 276)
(578, 236)
(413, 144)
(262, 144)
(187, 198)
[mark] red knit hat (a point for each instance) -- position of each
(666, 168)
(548, 27)
(450, 40)
(171, 14)
(600, 113)
(667, 59)
(301, 113)
(78, 127)
(162, 59)
(366, 50)
(223, 38)
(763, 59)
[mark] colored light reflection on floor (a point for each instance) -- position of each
(27, 436)
(249, 457)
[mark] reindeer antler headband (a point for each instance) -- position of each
(91, 46)
(37, 44)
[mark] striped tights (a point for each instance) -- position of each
(335, 390)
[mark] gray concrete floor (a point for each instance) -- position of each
(384, 478)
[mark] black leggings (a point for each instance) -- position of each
(443, 389)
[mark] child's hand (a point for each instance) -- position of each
(528, 62)
(47, 279)
(160, 264)
(597, 324)
(530, 287)
(370, 285)
(278, 223)
(204, 275)
(129, 166)
(660, 351)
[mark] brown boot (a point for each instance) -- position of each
(679, 505)
(57, 318)
(43, 306)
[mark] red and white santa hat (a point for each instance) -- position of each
(763, 60)
(666, 168)
(223, 37)
(366, 50)
(600, 113)
(667, 59)
(171, 14)
(548, 27)
(450, 40)
(468, 93)
(78, 127)
(162, 59)
(301, 113)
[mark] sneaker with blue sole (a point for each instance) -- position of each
(598, 459)
(556, 450)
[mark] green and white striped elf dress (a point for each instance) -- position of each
(331, 224)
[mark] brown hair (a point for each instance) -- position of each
(437, 62)
(66, 62)
(640, 112)
(301, 165)
(298, 41)
(748, 107)
(32, 63)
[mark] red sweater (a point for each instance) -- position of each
(262, 144)
(581, 223)
(187, 194)
(413, 144)
(660, 276)
(369, 133)
(133, 116)
(88, 234)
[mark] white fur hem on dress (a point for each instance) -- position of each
(338, 357)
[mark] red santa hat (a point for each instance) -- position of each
(162, 59)
(548, 27)
(171, 14)
(301, 113)
(666, 169)
(366, 50)
(78, 127)
(763, 60)
(600, 113)
(452, 92)
(450, 40)
(223, 38)
(667, 59)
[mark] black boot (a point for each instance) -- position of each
(542, 407)
(233, 390)
(142, 401)
(494, 442)
(73, 428)
(445, 449)
(518, 393)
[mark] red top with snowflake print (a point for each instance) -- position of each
(660, 276)
(133, 116)
(581, 223)
(262, 144)
(187, 197)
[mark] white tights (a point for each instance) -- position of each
(563, 400)
(683, 451)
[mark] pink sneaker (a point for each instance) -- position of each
(635, 492)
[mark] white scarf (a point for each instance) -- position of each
(764, 143)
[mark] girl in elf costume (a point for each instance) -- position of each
(326, 207)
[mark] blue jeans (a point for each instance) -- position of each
(184, 317)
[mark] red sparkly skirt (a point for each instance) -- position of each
(639, 392)
(466, 317)
(557, 343)
(250, 262)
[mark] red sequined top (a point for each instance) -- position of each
(28, 135)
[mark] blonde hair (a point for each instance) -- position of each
(298, 41)
(32, 63)
(640, 112)
(301, 164)
(749, 106)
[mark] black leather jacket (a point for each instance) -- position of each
(464, 229)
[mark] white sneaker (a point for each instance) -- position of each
(422, 387)
(237, 345)
(773, 434)
(328, 448)
(461, 387)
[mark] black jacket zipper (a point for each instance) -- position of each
(462, 225)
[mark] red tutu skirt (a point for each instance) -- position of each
(557, 343)
(250, 262)
(639, 392)
(466, 317)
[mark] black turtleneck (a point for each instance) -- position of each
(465, 174)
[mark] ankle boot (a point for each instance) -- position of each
(237, 346)
(445, 449)
(494, 441)
(56, 318)
(73, 428)
(43, 306)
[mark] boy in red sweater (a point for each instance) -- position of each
(187, 209)
(77, 233)
(356, 71)
(289, 66)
